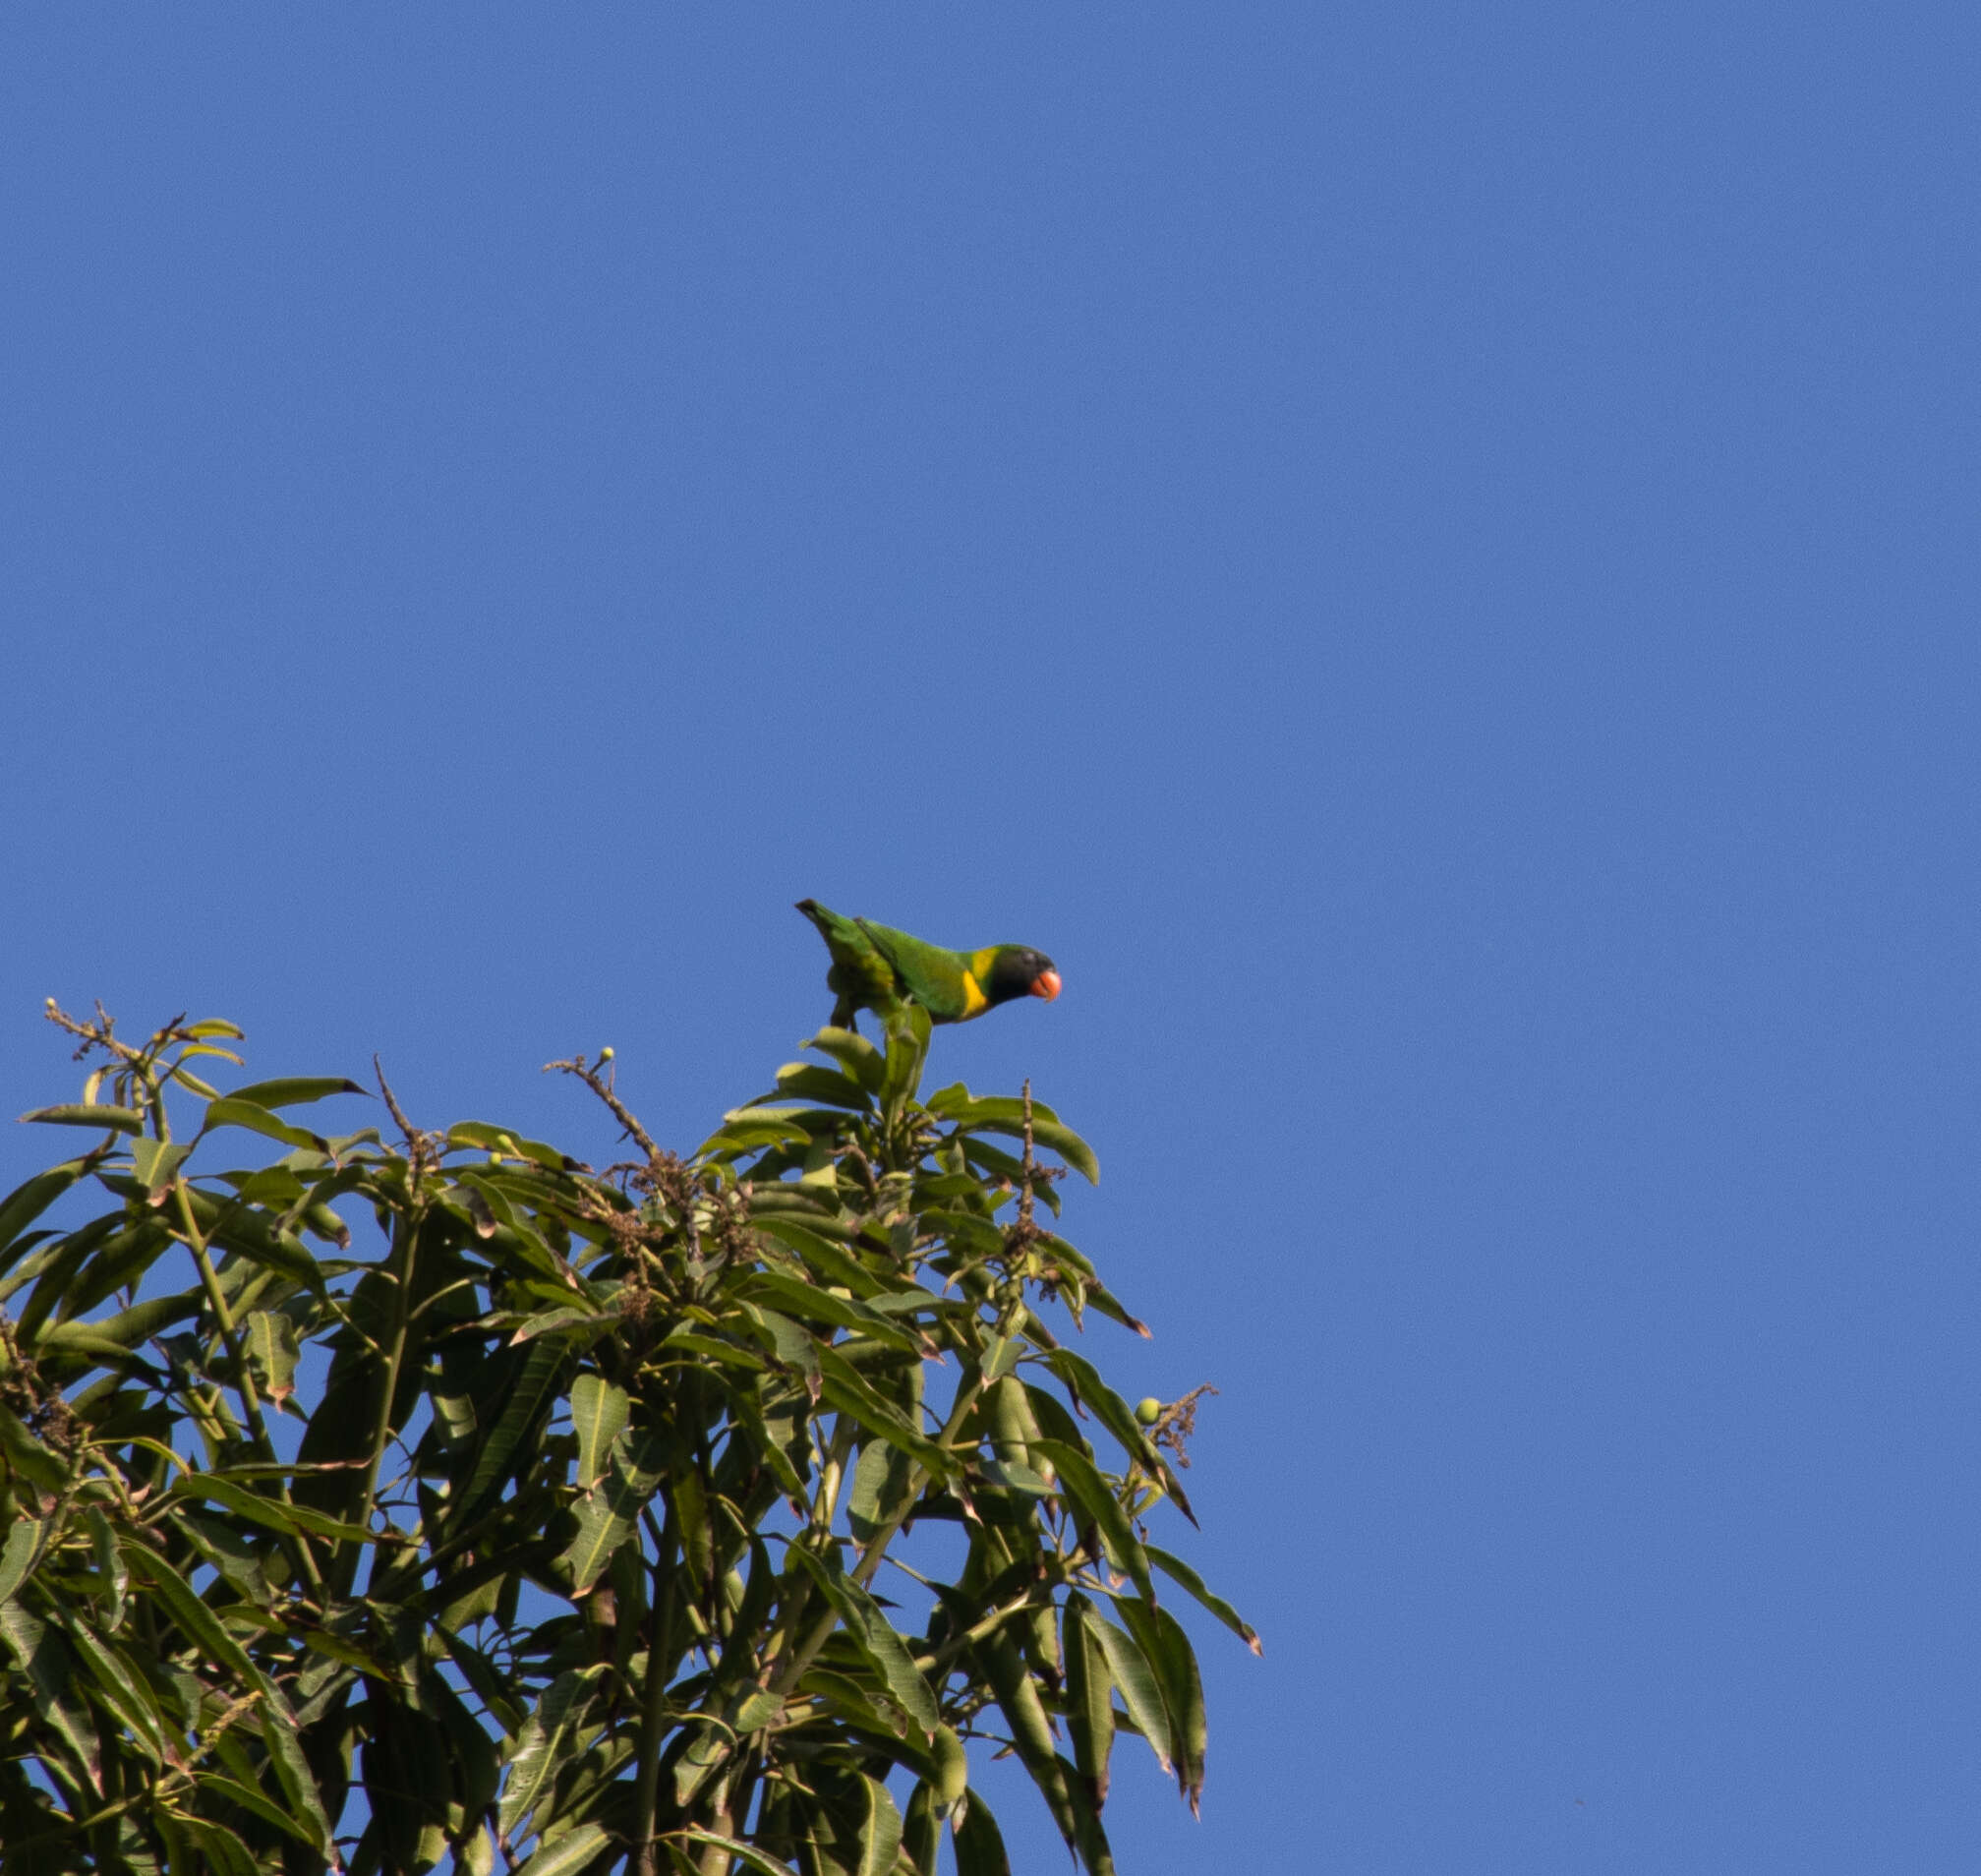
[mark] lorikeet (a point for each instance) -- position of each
(880, 969)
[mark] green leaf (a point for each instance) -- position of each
(120, 1262)
(908, 1050)
(495, 1692)
(880, 1490)
(528, 1406)
(45, 1660)
(56, 1282)
(122, 1120)
(801, 1299)
(1017, 1699)
(879, 1829)
(970, 1233)
(27, 1202)
(1000, 1114)
(27, 1455)
(154, 1162)
(340, 1648)
(746, 1853)
(201, 1625)
(993, 1164)
(690, 1503)
(1083, 1485)
(1177, 1568)
(1092, 1839)
(279, 1733)
(609, 1512)
(128, 1328)
(1089, 1696)
(1083, 1380)
(591, 1323)
(853, 1053)
(742, 1138)
(232, 1111)
(910, 1299)
(121, 1688)
(1096, 1292)
(957, 1104)
(109, 1566)
(1135, 1682)
(271, 1513)
(1015, 1477)
(833, 1263)
(77, 1339)
(849, 1392)
(233, 1792)
(293, 1091)
(26, 1258)
(554, 1731)
(729, 1354)
(980, 1846)
(499, 1140)
(866, 1709)
(807, 1081)
(238, 1558)
(1001, 1355)
(16, 1556)
(599, 1411)
(564, 1854)
(709, 1749)
(874, 1637)
(223, 1852)
(1168, 1652)
(272, 1351)
(923, 1831)
(252, 1234)
(794, 1199)
(796, 1347)
(786, 1123)
(774, 1434)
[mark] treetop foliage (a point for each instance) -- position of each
(412, 1494)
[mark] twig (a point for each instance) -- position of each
(1025, 1232)
(1024, 1198)
(603, 1089)
(1178, 1422)
(654, 1700)
(392, 1107)
(423, 1150)
(97, 1035)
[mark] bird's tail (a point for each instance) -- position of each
(834, 929)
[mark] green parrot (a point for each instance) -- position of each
(880, 969)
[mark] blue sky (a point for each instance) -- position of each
(1426, 553)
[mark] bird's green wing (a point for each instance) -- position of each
(862, 976)
(938, 981)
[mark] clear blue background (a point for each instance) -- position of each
(1426, 552)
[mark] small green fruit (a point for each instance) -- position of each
(1148, 1411)
(952, 1772)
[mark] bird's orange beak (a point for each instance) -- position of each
(1046, 984)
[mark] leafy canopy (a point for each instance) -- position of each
(554, 1528)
